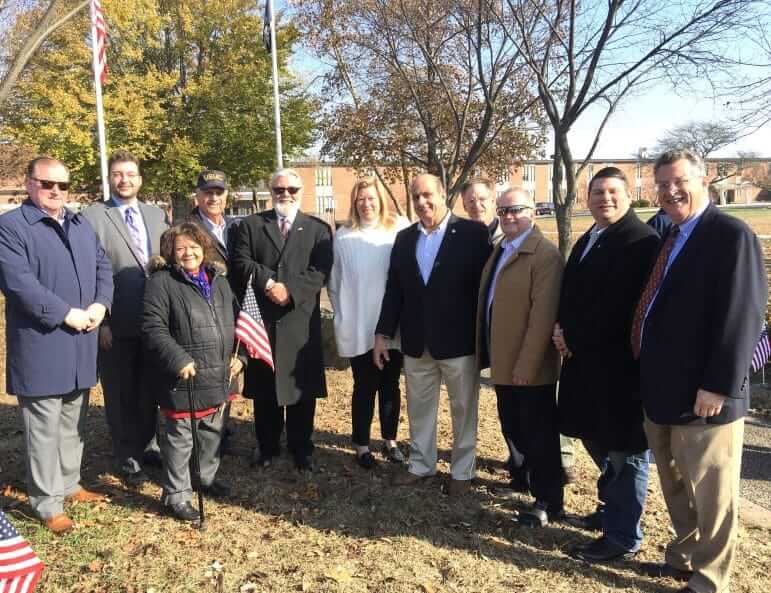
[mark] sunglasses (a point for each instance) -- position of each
(281, 190)
(504, 210)
(46, 184)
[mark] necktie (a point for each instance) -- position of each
(593, 236)
(136, 237)
(651, 288)
(284, 227)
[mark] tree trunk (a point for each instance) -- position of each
(181, 206)
(47, 25)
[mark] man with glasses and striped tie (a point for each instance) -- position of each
(130, 231)
(287, 256)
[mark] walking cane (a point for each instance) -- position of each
(196, 458)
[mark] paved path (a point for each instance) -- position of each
(756, 463)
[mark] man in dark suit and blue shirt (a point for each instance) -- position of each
(430, 297)
(130, 232)
(694, 330)
(57, 283)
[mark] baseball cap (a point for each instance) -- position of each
(210, 179)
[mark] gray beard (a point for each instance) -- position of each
(286, 210)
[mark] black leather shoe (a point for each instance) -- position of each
(591, 522)
(366, 460)
(601, 550)
(303, 463)
(152, 458)
(539, 515)
(134, 479)
(216, 489)
(393, 454)
(657, 570)
(184, 511)
(261, 461)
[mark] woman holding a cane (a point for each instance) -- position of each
(188, 333)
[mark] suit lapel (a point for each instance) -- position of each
(271, 229)
(444, 248)
(114, 216)
(412, 250)
(217, 245)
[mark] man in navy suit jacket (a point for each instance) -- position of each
(694, 330)
(57, 282)
(430, 298)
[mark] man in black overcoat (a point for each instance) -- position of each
(599, 399)
(288, 257)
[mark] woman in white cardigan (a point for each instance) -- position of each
(356, 285)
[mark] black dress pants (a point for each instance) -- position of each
(368, 380)
(270, 420)
(530, 415)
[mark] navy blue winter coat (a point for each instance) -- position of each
(46, 270)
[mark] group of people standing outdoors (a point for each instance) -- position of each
(637, 343)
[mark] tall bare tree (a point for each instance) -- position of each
(701, 137)
(427, 85)
(590, 55)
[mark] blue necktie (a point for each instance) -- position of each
(136, 237)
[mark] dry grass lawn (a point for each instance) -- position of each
(342, 529)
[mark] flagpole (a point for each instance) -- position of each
(99, 105)
(276, 104)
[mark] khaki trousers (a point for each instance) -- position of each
(699, 468)
(424, 376)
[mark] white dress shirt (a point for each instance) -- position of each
(428, 247)
(218, 230)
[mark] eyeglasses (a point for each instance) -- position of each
(504, 210)
(47, 184)
(122, 175)
(678, 183)
(280, 190)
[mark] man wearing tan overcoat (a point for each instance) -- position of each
(518, 301)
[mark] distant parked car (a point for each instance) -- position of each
(544, 208)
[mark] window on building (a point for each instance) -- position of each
(323, 176)
(528, 173)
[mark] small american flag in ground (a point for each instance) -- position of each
(250, 328)
(762, 351)
(20, 568)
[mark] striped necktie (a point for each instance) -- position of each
(136, 237)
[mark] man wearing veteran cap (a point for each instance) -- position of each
(211, 197)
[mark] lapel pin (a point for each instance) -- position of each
(452, 231)
(299, 229)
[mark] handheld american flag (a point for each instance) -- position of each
(250, 328)
(762, 351)
(20, 568)
(100, 40)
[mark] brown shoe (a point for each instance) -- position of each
(458, 487)
(84, 495)
(59, 524)
(407, 478)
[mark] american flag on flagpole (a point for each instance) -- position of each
(762, 351)
(250, 328)
(20, 568)
(100, 28)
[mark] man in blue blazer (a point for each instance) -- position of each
(694, 331)
(57, 283)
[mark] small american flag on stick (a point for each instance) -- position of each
(99, 26)
(762, 351)
(250, 328)
(20, 568)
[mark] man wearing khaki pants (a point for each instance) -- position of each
(694, 331)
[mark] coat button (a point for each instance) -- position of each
(280, 265)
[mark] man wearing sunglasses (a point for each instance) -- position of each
(130, 231)
(57, 282)
(287, 257)
(517, 308)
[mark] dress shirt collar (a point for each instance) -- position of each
(290, 218)
(515, 243)
(123, 204)
(441, 227)
(686, 228)
(210, 223)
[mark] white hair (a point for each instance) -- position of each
(286, 172)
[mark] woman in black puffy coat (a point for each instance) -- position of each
(188, 333)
